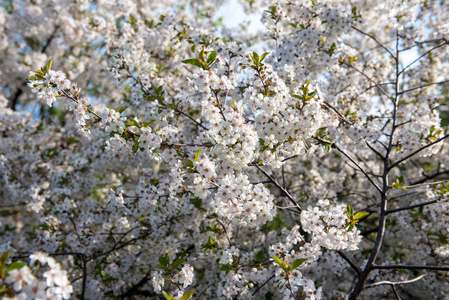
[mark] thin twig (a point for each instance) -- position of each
(394, 283)
(375, 151)
(370, 79)
(427, 52)
(350, 262)
(424, 184)
(423, 86)
(379, 43)
(395, 292)
(338, 113)
(286, 193)
(415, 206)
(411, 267)
(333, 145)
(263, 285)
(417, 151)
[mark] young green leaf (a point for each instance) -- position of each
(168, 296)
(48, 65)
(201, 55)
(177, 263)
(163, 261)
(280, 263)
(297, 263)
(262, 57)
(122, 109)
(360, 215)
(194, 61)
(188, 162)
(256, 58)
(211, 57)
(187, 295)
(197, 155)
(4, 257)
(16, 265)
(36, 77)
(350, 211)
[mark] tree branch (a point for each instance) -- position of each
(350, 262)
(423, 86)
(374, 39)
(411, 267)
(417, 151)
(333, 145)
(415, 206)
(394, 283)
(370, 79)
(286, 193)
(427, 52)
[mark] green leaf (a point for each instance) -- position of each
(16, 265)
(263, 56)
(48, 66)
(4, 257)
(122, 109)
(361, 215)
(259, 255)
(163, 261)
(256, 58)
(197, 155)
(168, 296)
(36, 77)
(398, 182)
(188, 162)
(187, 295)
(194, 61)
(162, 267)
(201, 55)
(211, 57)
(177, 263)
(149, 123)
(133, 123)
(280, 263)
(39, 72)
(225, 268)
(297, 263)
(269, 296)
(350, 211)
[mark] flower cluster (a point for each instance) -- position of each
(53, 285)
(243, 203)
(329, 227)
(185, 276)
(210, 145)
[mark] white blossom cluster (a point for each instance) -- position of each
(328, 226)
(53, 284)
(193, 150)
(243, 203)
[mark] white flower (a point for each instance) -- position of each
(38, 256)
(185, 276)
(19, 276)
(158, 281)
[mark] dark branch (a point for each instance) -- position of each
(350, 262)
(417, 151)
(411, 267)
(374, 39)
(414, 206)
